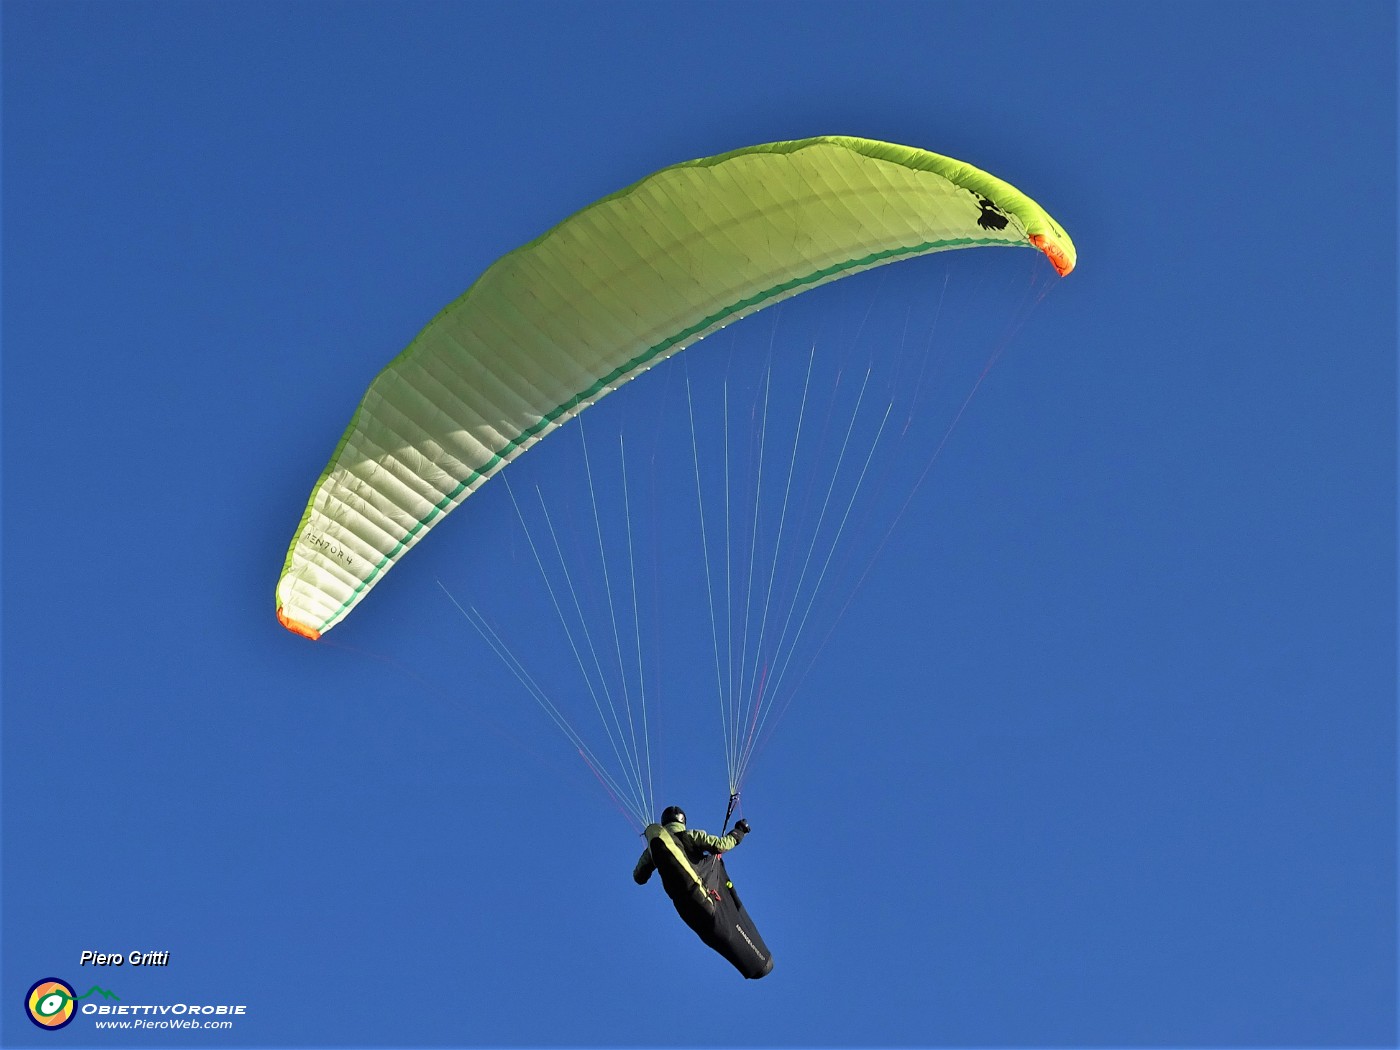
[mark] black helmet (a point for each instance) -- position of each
(673, 815)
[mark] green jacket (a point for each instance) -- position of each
(694, 842)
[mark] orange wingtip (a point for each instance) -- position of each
(1054, 253)
(296, 627)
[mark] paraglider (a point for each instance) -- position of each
(554, 326)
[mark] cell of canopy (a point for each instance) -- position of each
(553, 326)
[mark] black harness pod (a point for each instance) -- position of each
(705, 898)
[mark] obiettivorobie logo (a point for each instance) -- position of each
(52, 1003)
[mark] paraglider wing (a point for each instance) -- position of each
(558, 323)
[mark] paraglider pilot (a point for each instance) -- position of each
(693, 841)
(693, 876)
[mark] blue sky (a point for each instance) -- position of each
(1103, 752)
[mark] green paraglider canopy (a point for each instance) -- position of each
(632, 279)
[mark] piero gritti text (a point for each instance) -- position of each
(132, 958)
